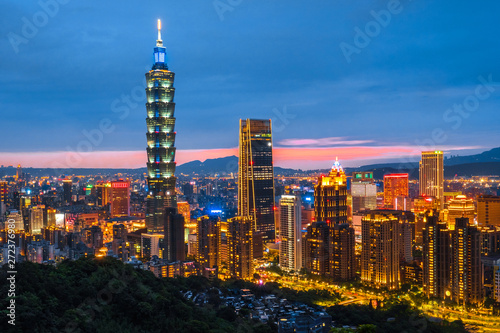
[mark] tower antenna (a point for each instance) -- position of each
(159, 42)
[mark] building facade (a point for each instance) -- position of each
(380, 250)
(395, 189)
(431, 175)
(436, 258)
(256, 176)
(120, 198)
(363, 191)
(290, 246)
(488, 210)
(160, 135)
(330, 197)
(240, 247)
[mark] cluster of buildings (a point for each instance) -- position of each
(340, 226)
(445, 242)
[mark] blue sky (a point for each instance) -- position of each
(257, 59)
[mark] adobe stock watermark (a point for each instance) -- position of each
(460, 111)
(30, 27)
(455, 116)
(11, 273)
(94, 137)
(279, 121)
(363, 37)
(91, 307)
(223, 6)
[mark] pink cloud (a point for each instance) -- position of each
(331, 141)
(289, 157)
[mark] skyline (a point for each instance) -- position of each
(354, 96)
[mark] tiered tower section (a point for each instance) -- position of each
(161, 139)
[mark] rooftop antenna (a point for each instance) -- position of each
(159, 42)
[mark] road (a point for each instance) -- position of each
(478, 321)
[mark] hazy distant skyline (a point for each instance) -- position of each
(427, 78)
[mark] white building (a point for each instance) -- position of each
(290, 257)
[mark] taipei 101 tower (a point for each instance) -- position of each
(161, 139)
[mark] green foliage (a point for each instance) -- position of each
(105, 295)
(405, 319)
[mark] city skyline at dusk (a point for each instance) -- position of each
(435, 90)
(235, 166)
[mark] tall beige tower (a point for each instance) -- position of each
(431, 180)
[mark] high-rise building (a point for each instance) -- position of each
(240, 246)
(67, 191)
(36, 220)
(161, 139)
(431, 175)
(380, 250)
(151, 245)
(317, 248)
(16, 218)
(496, 285)
(488, 210)
(459, 207)
(490, 239)
(4, 188)
(173, 230)
(103, 193)
(290, 247)
(437, 258)
(49, 217)
(342, 252)
(330, 197)
(255, 175)
(19, 172)
(363, 191)
(395, 187)
(184, 209)
(208, 237)
(466, 263)
(120, 198)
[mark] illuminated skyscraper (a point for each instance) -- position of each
(184, 209)
(458, 207)
(207, 249)
(120, 198)
(3, 196)
(363, 191)
(36, 220)
(342, 252)
(173, 230)
(240, 247)
(380, 250)
(161, 139)
(467, 266)
(431, 180)
(488, 210)
(103, 193)
(330, 196)
(395, 186)
(437, 258)
(67, 190)
(4, 186)
(255, 178)
(290, 255)
(19, 172)
(317, 248)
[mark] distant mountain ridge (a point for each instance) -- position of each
(485, 163)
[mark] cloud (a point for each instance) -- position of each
(288, 157)
(331, 141)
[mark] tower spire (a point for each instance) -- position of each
(159, 42)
